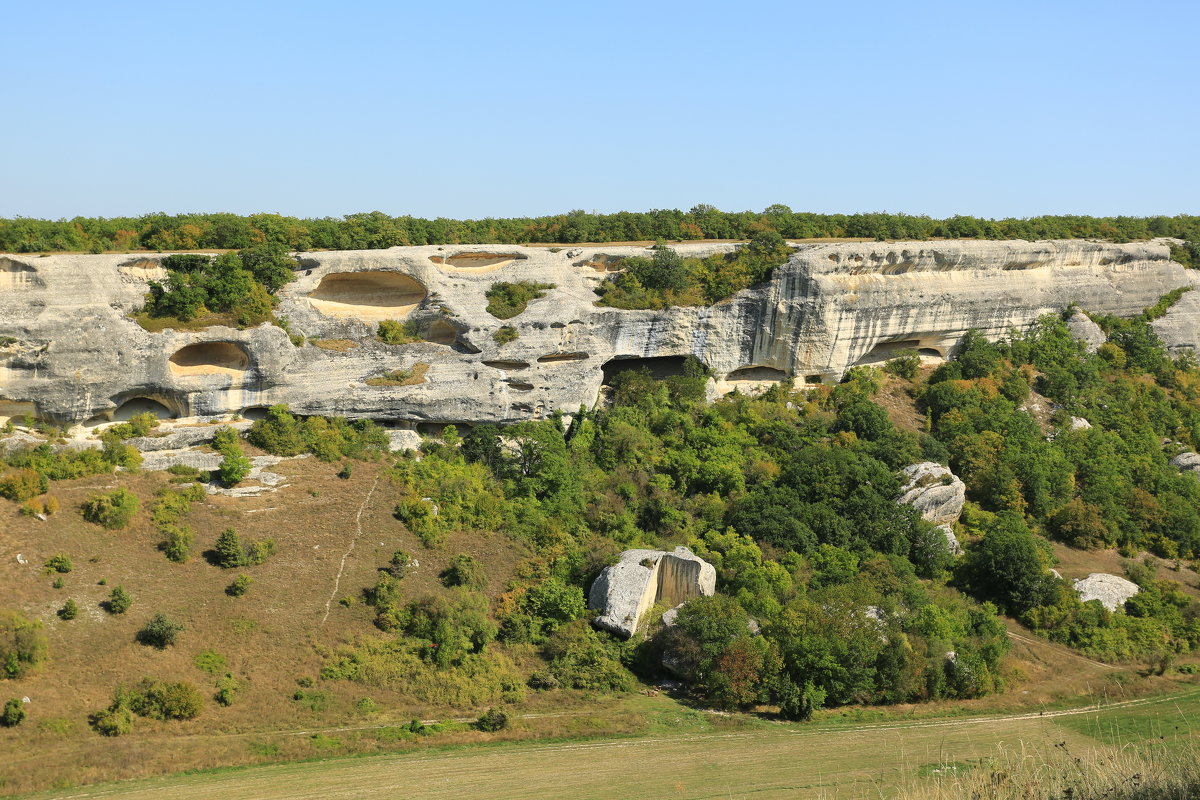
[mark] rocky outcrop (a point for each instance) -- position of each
(70, 352)
(625, 591)
(1186, 462)
(1111, 590)
(1082, 328)
(938, 494)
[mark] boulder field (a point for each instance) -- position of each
(70, 350)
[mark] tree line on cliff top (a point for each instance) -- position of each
(378, 230)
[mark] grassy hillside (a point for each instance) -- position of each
(384, 588)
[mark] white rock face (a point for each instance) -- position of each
(1111, 590)
(1080, 424)
(1081, 327)
(1186, 462)
(72, 353)
(624, 592)
(933, 490)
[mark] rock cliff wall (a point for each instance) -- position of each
(70, 352)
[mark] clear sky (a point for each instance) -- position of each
(473, 109)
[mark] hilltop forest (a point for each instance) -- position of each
(375, 230)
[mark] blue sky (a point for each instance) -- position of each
(473, 109)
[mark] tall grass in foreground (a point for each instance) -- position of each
(1148, 772)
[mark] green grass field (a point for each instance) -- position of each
(699, 756)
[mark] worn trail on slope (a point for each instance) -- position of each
(357, 534)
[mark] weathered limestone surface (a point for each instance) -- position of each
(625, 591)
(69, 351)
(1111, 590)
(938, 494)
(933, 490)
(1081, 327)
(1186, 462)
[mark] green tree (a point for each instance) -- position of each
(114, 510)
(159, 632)
(464, 571)
(13, 714)
(70, 610)
(1007, 566)
(119, 600)
(23, 644)
(229, 552)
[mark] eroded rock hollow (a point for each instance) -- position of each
(70, 350)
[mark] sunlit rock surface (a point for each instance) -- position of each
(625, 591)
(1111, 590)
(70, 352)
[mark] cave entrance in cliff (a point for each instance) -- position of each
(477, 262)
(16, 410)
(141, 405)
(210, 358)
(371, 296)
(254, 413)
(885, 351)
(660, 367)
(441, 332)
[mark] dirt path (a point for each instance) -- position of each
(1064, 651)
(358, 532)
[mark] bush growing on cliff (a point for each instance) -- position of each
(666, 279)
(240, 285)
(507, 300)
(283, 434)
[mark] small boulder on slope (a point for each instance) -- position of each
(1111, 590)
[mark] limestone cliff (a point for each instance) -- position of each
(70, 352)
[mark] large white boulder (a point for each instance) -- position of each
(1186, 462)
(1082, 328)
(624, 592)
(1111, 590)
(933, 490)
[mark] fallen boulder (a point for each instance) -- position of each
(1111, 590)
(933, 490)
(625, 591)
(1081, 327)
(1186, 462)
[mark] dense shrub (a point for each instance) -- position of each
(13, 714)
(159, 632)
(117, 720)
(163, 700)
(23, 484)
(58, 563)
(904, 364)
(240, 285)
(114, 510)
(506, 334)
(283, 434)
(492, 720)
(391, 331)
(70, 610)
(239, 587)
(118, 601)
(464, 571)
(23, 644)
(507, 300)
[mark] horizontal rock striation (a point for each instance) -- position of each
(70, 351)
